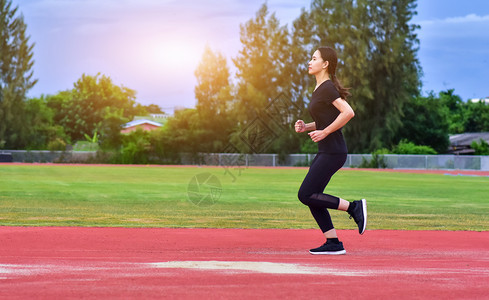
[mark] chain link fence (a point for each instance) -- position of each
(391, 161)
(39, 156)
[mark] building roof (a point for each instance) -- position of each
(465, 139)
(141, 122)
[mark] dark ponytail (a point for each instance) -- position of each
(328, 54)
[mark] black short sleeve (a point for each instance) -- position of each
(324, 113)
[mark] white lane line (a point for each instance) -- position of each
(290, 268)
(132, 269)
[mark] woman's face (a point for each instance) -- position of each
(317, 64)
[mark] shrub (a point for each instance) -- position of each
(481, 148)
(85, 146)
(57, 145)
(407, 147)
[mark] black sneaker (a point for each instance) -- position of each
(329, 248)
(359, 214)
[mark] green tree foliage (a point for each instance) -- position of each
(92, 101)
(135, 148)
(454, 108)
(267, 67)
(214, 102)
(42, 129)
(299, 82)
(152, 109)
(481, 147)
(462, 116)
(425, 122)
(182, 131)
(144, 110)
(16, 77)
(260, 64)
(377, 48)
(377, 57)
(476, 117)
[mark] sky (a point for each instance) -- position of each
(154, 46)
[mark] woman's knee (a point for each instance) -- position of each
(303, 197)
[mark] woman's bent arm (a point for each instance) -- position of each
(346, 113)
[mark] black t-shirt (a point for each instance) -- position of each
(323, 112)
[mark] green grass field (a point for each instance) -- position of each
(145, 196)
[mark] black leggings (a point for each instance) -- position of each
(311, 194)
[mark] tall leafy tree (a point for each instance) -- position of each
(425, 123)
(182, 133)
(454, 108)
(301, 84)
(16, 76)
(476, 117)
(85, 108)
(260, 64)
(213, 86)
(43, 130)
(266, 105)
(377, 48)
(214, 101)
(464, 116)
(302, 44)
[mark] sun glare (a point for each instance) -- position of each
(175, 54)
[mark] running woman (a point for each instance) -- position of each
(330, 112)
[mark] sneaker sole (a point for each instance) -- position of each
(364, 209)
(329, 252)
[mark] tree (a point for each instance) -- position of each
(144, 110)
(212, 91)
(301, 83)
(464, 116)
(260, 64)
(377, 49)
(182, 132)
(94, 99)
(16, 76)
(296, 69)
(476, 117)
(42, 129)
(153, 109)
(454, 107)
(481, 147)
(265, 103)
(425, 123)
(214, 101)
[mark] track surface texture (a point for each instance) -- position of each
(162, 263)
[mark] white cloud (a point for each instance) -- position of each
(453, 53)
(470, 18)
(471, 29)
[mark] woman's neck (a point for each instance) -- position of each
(321, 77)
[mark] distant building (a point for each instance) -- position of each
(142, 124)
(159, 116)
(460, 143)
(477, 100)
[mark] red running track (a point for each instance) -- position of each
(130, 263)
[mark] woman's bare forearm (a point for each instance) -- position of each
(311, 126)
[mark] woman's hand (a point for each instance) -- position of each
(317, 135)
(300, 126)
